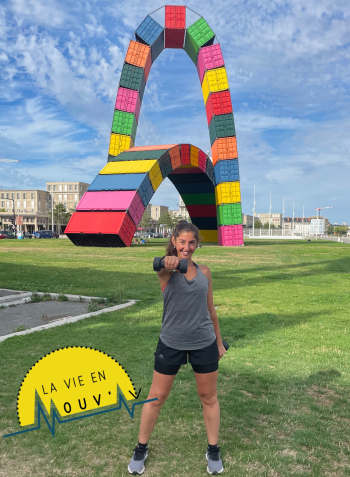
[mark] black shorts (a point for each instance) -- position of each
(168, 360)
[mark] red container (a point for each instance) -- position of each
(188, 170)
(202, 210)
(185, 154)
(202, 161)
(230, 235)
(175, 157)
(128, 100)
(174, 38)
(209, 58)
(175, 17)
(109, 223)
(218, 103)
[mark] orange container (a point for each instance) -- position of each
(152, 148)
(139, 55)
(224, 148)
(175, 157)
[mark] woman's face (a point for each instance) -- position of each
(185, 244)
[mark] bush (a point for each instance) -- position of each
(35, 298)
(62, 297)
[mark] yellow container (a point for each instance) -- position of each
(128, 167)
(154, 171)
(208, 236)
(214, 81)
(228, 193)
(194, 156)
(119, 143)
(156, 180)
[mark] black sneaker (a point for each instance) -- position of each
(214, 461)
(136, 466)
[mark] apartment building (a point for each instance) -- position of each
(32, 205)
(247, 220)
(67, 193)
(158, 210)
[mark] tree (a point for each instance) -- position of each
(145, 220)
(330, 230)
(61, 216)
(341, 230)
(266, 225)
(166, 219)
(2, 210)
(257, 224)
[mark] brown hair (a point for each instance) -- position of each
(181, 226)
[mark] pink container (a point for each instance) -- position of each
(114, 200)
(230, 235)
(128, 100)
(209, 58)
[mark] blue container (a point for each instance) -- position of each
(226, 171)
(194, 187)
(210, 169)
(145, 190)
(152, 34)
(116, 182)
(165, 164)
(205, 223)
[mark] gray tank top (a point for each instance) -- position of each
(186, 323)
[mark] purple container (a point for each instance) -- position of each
(114, 200)
(128, 100)
(209, 58)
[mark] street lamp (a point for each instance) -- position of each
(14, 215)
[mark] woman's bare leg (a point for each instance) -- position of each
(206, 389)
(161, 386)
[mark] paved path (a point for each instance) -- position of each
(335, 239)
(30, 315)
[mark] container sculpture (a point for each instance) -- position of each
(110, 210)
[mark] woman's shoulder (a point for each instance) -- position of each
(204, 269)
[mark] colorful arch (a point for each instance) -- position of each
(110, 210)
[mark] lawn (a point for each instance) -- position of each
(283, 386)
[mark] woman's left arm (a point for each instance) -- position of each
(212, 311)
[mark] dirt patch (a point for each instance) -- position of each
(322, 396)
(288, 453)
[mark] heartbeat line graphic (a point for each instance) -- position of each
(56, 417)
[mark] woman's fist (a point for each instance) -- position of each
(171, 263)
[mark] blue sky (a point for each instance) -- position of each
(289, 75)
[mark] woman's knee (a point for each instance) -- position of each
(208, 399)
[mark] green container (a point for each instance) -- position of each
(229, 214)
(221, 126)
(191, 47)
(201, 33)
(124, 123)
(135, 155)
(131, 77)
(198, 199)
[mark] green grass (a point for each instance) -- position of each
(283, 386)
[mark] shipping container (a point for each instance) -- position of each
(210, 169)
(209, 58)
(157, 180)
(113, 200)
(194, 187)
(198, 198)
(152, 34)
(214, 81)
(133, 77)
(153, 148)
(201, 210)
(221, 126)
(201, 33)
(132, 155)
(218, 103)
(226, 171)
(119, 143)
(230, 235)
(205, 223)
(96, 240)
(99, 223)
(154, 170)
(146, 191)
(209, 236)
(224, 148)
(175, 156)
(229, 214)
(124, 123)
(185, 154)
(139, 55)
(188, 170)
(117, 182)
(128, 100)
(194, 156)
(228, 193)
(175, 17)
(202, 160)
(175, 177)
(165, 164)
(174, 38)
(130, 167)
(191, 47)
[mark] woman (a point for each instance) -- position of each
(189, 326)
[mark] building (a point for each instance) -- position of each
(157, 211)
(33, 206)
(247, 220)
(67, 193)
(274, 219)
(298, 225)
(318, 227)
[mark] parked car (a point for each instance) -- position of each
(7, 234)
(46, 232)
(158, 236)
(28, 235)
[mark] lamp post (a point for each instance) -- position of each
(14, 215)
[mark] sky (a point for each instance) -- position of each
(289, 76)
